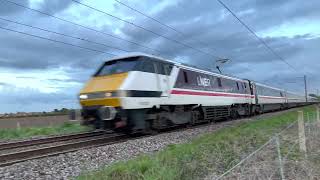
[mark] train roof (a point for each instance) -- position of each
(195, 68)
(135, 54)
(288, 92)
(263, 85)
(212, 73)
(294, 93)
(188, 66)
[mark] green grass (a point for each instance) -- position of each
(41, 131)
(210, 153)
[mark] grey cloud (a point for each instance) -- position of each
(54, 6)
(4, 84)
(34, 53)
(15, 99)
(227, 37)
(7, 9)
(201, 22)
(274, 13)
(25, 77)
(66, 80)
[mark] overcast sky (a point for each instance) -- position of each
(39, 75)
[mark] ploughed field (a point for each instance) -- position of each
(33, 121)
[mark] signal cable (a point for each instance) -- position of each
(56, 41)
(159, 22)
(82, 26)
(261, 40)
(61, 34)
(145, 29)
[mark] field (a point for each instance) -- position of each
(65, 128)
(33, 121)
(206, 156)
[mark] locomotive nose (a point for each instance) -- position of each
(104, 83)
(100, 91)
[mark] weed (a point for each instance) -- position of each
(211, 153)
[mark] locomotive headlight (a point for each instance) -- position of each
(83, 96)
(108, 94)
(123, 93)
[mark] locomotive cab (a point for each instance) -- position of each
(118, 94)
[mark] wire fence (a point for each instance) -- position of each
(294, 153)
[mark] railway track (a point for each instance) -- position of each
(71, 143)
(39, 141)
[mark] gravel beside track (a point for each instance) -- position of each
(66, 166)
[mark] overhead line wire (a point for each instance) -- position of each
(251, 31)
(140, 12)
(61, 34)
(158, 21)
(56, 41)
(145, 29)
(85, 27)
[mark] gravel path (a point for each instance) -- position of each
(72, 164)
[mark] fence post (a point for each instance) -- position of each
(18, 125)
(72, 114)
(318, 115)
(78, 114)
(280, 158)
(302, 136)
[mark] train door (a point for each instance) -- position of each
(168, 68)
(255, 94)
(253, 90)
(163, 78)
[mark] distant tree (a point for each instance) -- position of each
(55, 110)
(64, 110)
(314, 95)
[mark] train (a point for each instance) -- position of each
(142, 93)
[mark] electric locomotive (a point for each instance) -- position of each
(144, 93)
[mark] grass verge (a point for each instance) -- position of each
(41, 131)
(211, 153)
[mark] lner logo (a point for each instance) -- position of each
(202, 81)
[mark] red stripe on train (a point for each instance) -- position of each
(269, 97)
(197, 93)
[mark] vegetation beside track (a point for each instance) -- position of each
(65, 128)
(211, 153)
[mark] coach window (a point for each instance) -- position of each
(219, 82)
(160, 68)
(185, 75)
(259, 91)
(281, 94)
(147, 66)
(238, 86)
(168, 68)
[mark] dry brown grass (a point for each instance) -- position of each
(296, 165)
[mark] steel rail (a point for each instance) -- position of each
(33, 142)
(12, 158)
